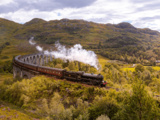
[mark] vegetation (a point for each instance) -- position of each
(62, 100)
(11, 112)
(71, 66)
(140, 105)
(117, 42)
(132, 92)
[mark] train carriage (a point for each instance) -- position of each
(30, 66)
(51, 71)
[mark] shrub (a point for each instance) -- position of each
(103, 117)
(139, 105)
(103, 106)
(139, 67)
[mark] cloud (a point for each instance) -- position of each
(75, 3)
(4, 2)
(140, 13)
(22, 16)
(42, 5)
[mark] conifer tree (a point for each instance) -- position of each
(140, 105)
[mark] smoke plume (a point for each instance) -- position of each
(75, 53)
(31, 41)
(39, 48)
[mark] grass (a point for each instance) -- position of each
(11, 112)
(102, 60)
(156, 68)
(5, 76)
(128, 69)
(132, 69)
(9, 52)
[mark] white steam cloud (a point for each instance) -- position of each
(31, 41)
(75, 53)
(39, 48)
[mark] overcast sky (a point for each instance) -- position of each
(140, 13)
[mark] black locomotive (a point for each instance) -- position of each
(80, 76)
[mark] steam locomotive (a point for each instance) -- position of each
(80, 76)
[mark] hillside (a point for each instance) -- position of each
(121, 41)
(48, 98)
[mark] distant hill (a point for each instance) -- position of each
(120, 41)
(7, 29)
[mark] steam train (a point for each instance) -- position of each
(80, 76)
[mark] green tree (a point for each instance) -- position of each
(71, 66)
(58, 66)
(7, 67)
(155, 85)
(103, 106)
(81, 112)
(146, 76)
(56, 107)
(139, 67)
(153, 61)
(45, 106)
(139, 105)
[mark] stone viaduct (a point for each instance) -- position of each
(20, 71)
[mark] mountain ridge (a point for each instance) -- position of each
(122, 39)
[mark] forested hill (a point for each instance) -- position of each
(120, 41)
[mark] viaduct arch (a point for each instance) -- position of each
(38, 59)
